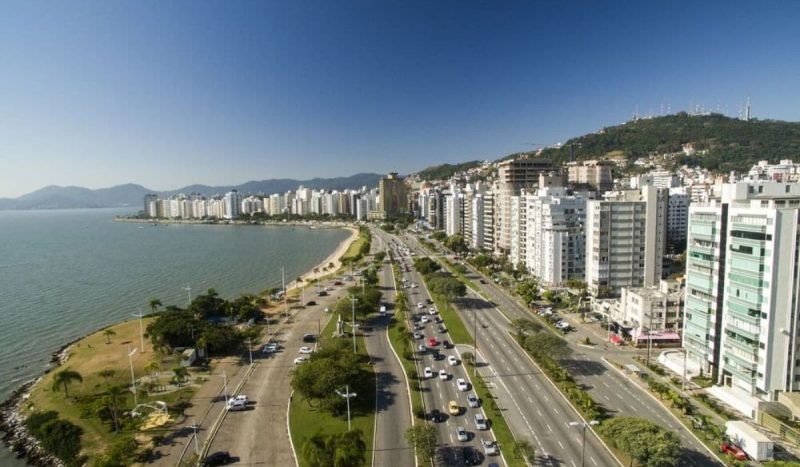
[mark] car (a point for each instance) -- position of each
(432, 342)
(306, 350)
(443, 375)
(309, 338)
(427, 372)
(437, 356)
(338, 283)
(269, 348)
(480, 422)
(217, 458)
(327, 310)
(462, 385)
(311, 303)
(490, 447)
(299, 360)
(323, 293)
(472, 400)
(482, 281)
(382, 310)
(442, 329)
(453, 408)
(423, 320)
(733, 450)
(436, 416)
(471, 456)
(420, 305)
(431, 311)
(235, 405)
(452, 360)
(461, 434)
(240, 397)
(446, 344)
(418, 335)
(422, 348)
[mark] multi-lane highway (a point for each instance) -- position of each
(438, 392)
(606, 385)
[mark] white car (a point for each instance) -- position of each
(489, 447)
(428, 373)
(420, 305)
(305, 350)
(235, 405)
(240, 398)
(461, 433)
(472, 400)
(423, 319)
(480, 422)
(462, 384)
(431, 311)
(443, 375)
(299, 360)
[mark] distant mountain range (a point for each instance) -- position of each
(73, 197)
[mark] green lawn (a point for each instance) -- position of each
(501, 430)
(306, 421)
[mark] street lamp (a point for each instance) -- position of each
(347, 395)
(188, 290)
(250, 345)
(141, 329)
(353, 300)
(584, 426)
(133, 378)
(285, 298)
(194, 428)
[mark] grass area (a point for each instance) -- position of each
(306, 421)
(354, 250)
(90, 356)
(458, 332)
(501, 430)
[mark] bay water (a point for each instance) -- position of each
(66, 273)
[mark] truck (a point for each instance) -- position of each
(757, 446)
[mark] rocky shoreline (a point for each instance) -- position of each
(12, 427)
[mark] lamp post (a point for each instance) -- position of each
(250, 348)
(225, 385)
(353, 300)
(584, 426)
(196, 447)
(141, 329)
(133, 378)
(285, 298)
(188, 290)
(347, 395)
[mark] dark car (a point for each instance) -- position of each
(447, 345)
(337, 283)
(482, 281)
(311, 303)
(436, 416)
(437, 356)
(217, 458)
(323, 293)
(471, 456)
(309, 338)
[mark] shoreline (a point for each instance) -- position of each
(13, 432)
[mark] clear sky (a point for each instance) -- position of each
(170, 93)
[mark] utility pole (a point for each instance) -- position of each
(347, 395)
(584, 426)
(188, 290)
(285, 297)
(353, 300)
(250, 345)
(133, 378)
(141, 329)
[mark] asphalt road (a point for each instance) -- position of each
(606, 386)
(438, 392)
(392, 406)
(259, 436)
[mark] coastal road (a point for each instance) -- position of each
(437, 392)
(534, 409)
(259, 436)
(392, 404)
(606, 385)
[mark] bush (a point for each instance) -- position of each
(62, 439)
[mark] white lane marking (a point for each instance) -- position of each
(561, 444)
(573, 463)
(593, 461)
(551, 430)
(539, 412)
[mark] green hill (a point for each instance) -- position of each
(445, 171)
(732, 144)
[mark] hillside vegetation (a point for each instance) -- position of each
(445, 171)
(732, 144)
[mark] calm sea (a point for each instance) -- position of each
(65, 273)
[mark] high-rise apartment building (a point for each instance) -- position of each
(593, 174)
(512, 177)
(233, 204)
(625, 239)
(393, 196)
(742, 280)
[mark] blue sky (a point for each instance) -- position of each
(167, 94)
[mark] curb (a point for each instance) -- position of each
(289, 431)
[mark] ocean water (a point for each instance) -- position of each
(66, 273)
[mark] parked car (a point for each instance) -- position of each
(299, 360)
(462, 385)
(217, 458)
(305, 350)
(309, 338)
(461, 434)
(472, 400)
(453, 408)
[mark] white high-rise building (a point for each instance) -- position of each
(233, 204)
(555, 238)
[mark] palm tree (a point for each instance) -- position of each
(64, 378)
(108, 333)
(154, 304)
(181, 374)
(112, 401)
(152, 367)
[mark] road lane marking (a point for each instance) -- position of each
(593, 461)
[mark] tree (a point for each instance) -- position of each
(547, 344)
(64, 378)
(524, 450)
(109, 333)
(328, 370)
(317, 451)
(550, 296)
(423, 437)
(439, 236)
(526, 326)
(338, 450)
(179, 375)
(426, 266)
(154, 304)
(648, 444)
(468, 358)
(455, 243)
(528, 290)
(111, 404)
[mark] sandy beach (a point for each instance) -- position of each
(334, 258)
